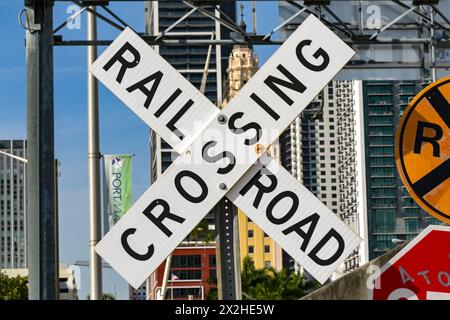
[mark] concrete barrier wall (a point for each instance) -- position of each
(352, 286)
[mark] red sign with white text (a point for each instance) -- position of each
(420, 271)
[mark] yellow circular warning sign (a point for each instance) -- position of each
(423, 149)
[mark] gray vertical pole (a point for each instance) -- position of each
(254, 16)
(55, 175)
(43, 281)
(94, 165)
(433, 46)
(227, 248)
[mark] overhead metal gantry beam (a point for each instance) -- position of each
(348, 32)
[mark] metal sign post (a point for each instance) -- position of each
(94, 164)
(41, 225)
(228, 258)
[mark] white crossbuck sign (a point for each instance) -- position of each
(222, 153)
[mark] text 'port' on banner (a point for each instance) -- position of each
(117, 187)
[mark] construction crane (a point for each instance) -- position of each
(83, 263)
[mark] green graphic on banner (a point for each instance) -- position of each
(117, 182)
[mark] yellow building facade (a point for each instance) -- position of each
(253, 242)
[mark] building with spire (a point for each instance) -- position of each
(253, 242)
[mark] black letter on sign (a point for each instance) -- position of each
(278, 198)
(293, 84)
(261, 188)
(118, 57)
(217, 157)
(131, 252)
(178, 115)
(265, 106)
(319, 53)
(313, 219)
(248, 126)
(156, 78)
(166, 214)
(420, 138)
(331, 234)
(168, 102)
(197, 179)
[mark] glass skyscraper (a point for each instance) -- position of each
(12, 205)
(391, 212)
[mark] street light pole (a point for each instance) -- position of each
(94, 164)
(41, 231)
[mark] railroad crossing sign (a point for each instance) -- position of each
(420, 271)
(223, 153)
(423, 149)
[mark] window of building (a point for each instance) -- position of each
(183, 293)
(212, 260)
(267, 248)
(185, 261)
(250, 233)
(187, 274)
(251, 249)
(267, 264)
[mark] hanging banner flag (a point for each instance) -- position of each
(117, 187)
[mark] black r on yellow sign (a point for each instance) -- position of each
(423, 149)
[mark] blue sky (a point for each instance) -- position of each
(120, 130)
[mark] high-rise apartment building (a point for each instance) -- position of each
(353, 138)
(309, 150)
(351, 186)
(391, 212)
(372, 198)
(355, 173)
(12, 205)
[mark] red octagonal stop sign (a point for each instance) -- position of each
(420, 271)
